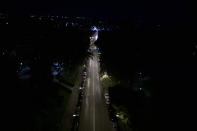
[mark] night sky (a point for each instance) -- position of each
(120, 8)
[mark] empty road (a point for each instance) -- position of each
(94, 114)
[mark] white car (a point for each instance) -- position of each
(106, 97)
(107, 102)
(106, 94)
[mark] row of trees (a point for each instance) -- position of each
(162, 51)
(39, 102)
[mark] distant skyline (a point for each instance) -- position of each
(121, 8)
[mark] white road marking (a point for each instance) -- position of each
(87, 92)
(93, 103)
(90, 62)
(88, 82)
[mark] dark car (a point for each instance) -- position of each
(76, 118)
(112, 115)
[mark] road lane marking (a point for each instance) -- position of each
(90, 62)
(87, 92)
(93, 103)
(88, 82)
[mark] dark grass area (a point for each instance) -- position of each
(137, 107)
(41, 109)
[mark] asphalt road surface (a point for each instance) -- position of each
(94, 114)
